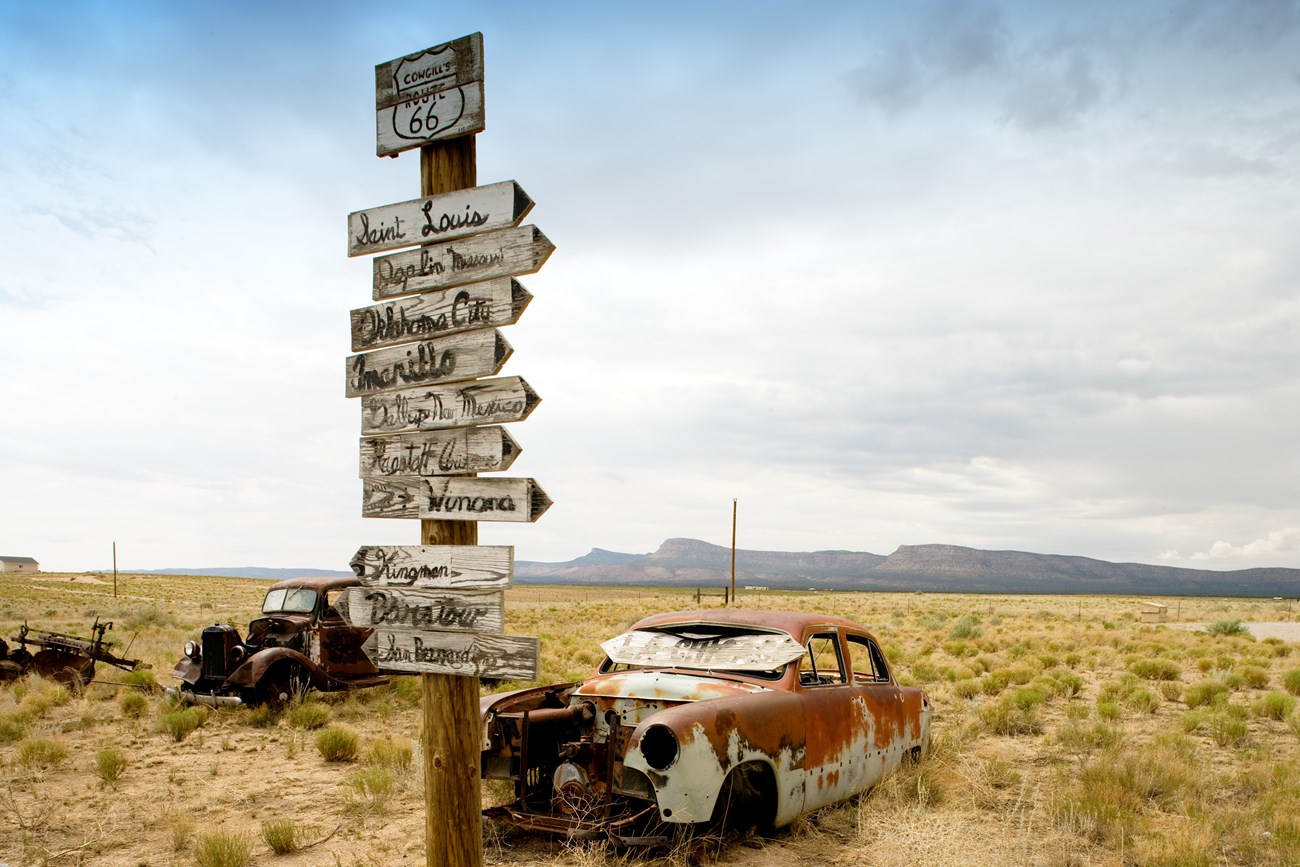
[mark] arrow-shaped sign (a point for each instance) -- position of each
(446, 359)
(422, 608)
(446, 311)
(462, 404)
(503, 253)
(439, 453)
(454, 498)
(466, 567)
(437, 218)
(466, 653)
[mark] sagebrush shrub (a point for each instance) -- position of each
(110, 764)
(337, 743)
(220, 849)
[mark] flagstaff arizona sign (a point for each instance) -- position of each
(438, 453)
(430, 95)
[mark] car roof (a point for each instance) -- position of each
(794, 623)
(318, 583)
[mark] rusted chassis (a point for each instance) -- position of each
(637, 756)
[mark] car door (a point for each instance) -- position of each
(881, 704)
(834, 726)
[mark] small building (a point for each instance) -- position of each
(1154, 612)
(18, 564)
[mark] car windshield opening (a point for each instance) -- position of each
(703, 647)
(293, 600)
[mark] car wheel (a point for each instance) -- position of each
(281, 684)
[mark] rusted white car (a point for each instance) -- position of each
(742, 718)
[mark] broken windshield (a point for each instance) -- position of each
(711, 647)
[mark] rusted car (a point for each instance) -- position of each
(299, 642)
(743, 719)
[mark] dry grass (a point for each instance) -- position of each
(1066, 733)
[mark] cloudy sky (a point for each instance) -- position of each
(1005, 275)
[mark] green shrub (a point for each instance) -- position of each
(1204, 693)
(110, 764)
(1171, 691)
(180, 724)
(391, 753)
(1071, 684)
(309, 715)
(1227, 730)
(1156, 669)
(263, 716)
(41, 753)
(220, 849)
(1291, 681)
(1226, 627)
(133, 704)
(1108, 708)
(142, 679)
(1255, 677)
(337, 743)
(1006, 717)
(1030, 697)
(1142, 700)
(372, 786)
(281, 836)
(967, 626)
(1275, 705)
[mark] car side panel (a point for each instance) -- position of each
(718, 735)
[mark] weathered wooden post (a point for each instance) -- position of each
(437, 609)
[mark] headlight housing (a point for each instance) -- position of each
(659, 746)
(192, 650)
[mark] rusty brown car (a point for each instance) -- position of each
(745, 719)
(299, 642)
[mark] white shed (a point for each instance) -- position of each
(18, 564)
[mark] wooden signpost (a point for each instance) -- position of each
(438, 453)
(437, 218)
(445, 311)
(455, 357)
(437, 609)
(430, 95)
(482, 401)
(438, 566)
(454, 498)
(503, 253)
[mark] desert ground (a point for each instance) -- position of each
(1066, 732)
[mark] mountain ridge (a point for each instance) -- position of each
(932, 568)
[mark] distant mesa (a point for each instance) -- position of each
(929, 568)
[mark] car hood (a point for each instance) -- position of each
(664, 686)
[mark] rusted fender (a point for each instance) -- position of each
(248, 674)
(187, 670)
(717, 735)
